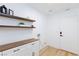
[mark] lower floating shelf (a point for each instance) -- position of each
(16, 44)
(12, 26)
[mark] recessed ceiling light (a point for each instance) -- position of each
(50, 11)
(67, 9)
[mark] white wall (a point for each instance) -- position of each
(23, 10)
(66, 21)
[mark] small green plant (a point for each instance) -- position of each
(21, 23)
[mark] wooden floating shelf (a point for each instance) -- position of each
(16, 44)
(16, 17)
(11, 26)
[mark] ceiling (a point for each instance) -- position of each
(50, 8)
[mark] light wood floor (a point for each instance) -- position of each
(50, 51)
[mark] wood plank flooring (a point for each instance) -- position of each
(50, 51)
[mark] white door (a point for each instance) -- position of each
(53, 29)
(69, 32)
(78, 36)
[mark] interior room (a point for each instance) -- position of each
(39, 29)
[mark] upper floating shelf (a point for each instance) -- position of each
(16, 17)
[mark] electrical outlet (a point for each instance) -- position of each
(45, 42)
